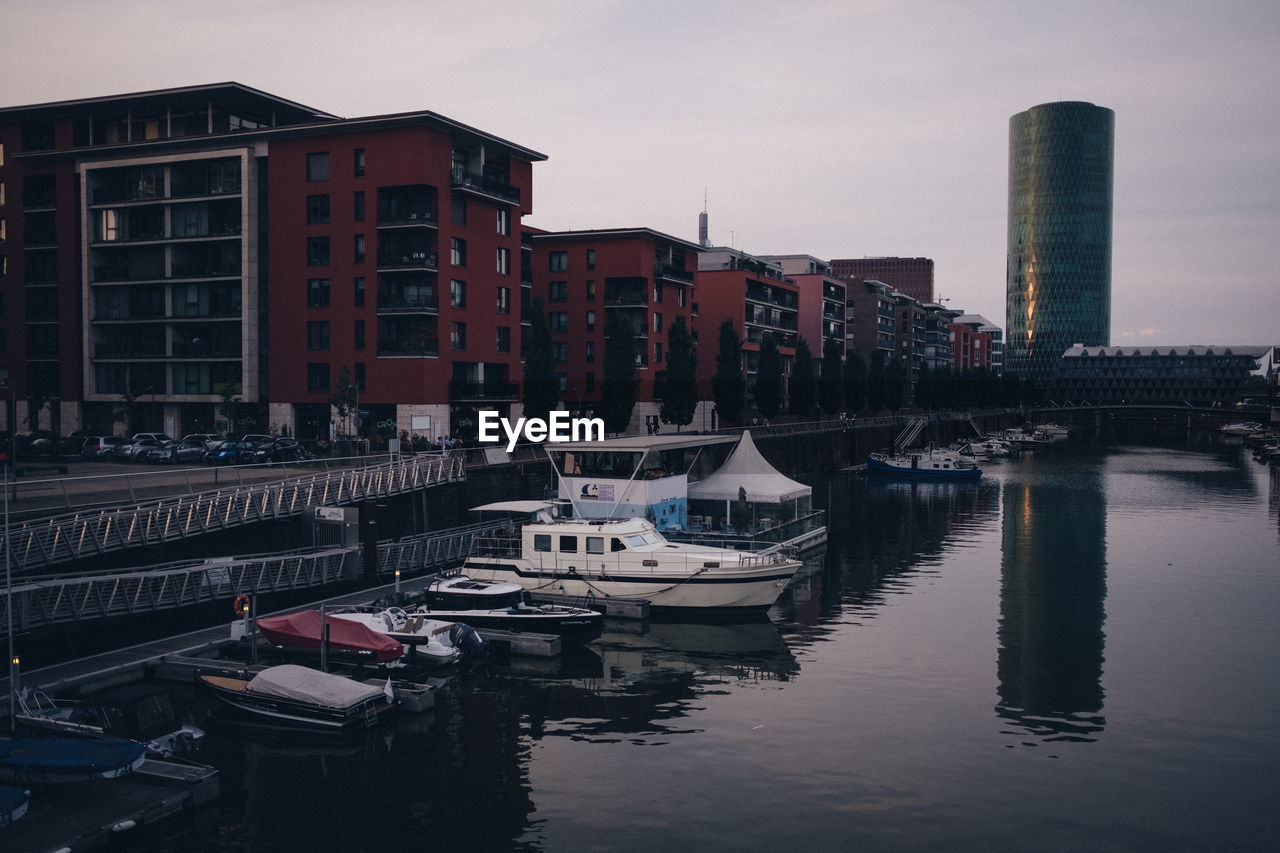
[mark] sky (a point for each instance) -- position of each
(834, 129)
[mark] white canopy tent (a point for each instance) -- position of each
(747, 470)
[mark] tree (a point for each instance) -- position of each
(345, 398)
(729, 386)
(618, 390)
(926, 393)
(855, 382)
(875, 382)
(802, 397)
(680, 390)
(831, 385)
(541, 385)
(769, 379)
(894, 384)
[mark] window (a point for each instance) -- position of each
(458, 210)
(558, 291)
(318, 166)
(591, 321)
(504, 222)
(359, 334)
(504, 339)
(681, 297)
(559, 261)
(317, 293)
(358, 253)
(657, 322)
(657, 352)
(317, 377)
(359, 207)
(560, 351)
(359, 163)
(616, 544)
(657, 291)
(591, 290)
(359, 288)
(568, 544)
(591, 382)
(591, 259)
(590, 354)
(562, 381)
(504, 300)
(458, 336)
(542, 541)
(359, 376)
(595, 544)
(318, 335)
(457, 251)
(457, 294)
(317, 209)
(558, 320)
(504, 261)
(317, 251)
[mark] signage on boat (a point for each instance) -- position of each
(330, 513)
(597, 492)
(557, 428)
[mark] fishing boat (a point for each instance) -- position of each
(304, 697)
(13, 804)
(425, 635)
(506, 607)
(629, 559)
(48, 760)
(348, 639)
(924, 465)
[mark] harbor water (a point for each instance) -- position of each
(1078, 652)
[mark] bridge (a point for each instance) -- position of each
(1186, 416)
(44, 543)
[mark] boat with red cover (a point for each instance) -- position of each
(302, 630)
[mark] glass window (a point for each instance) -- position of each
(590, 354)
(568, 544)
(595, 544)
(359, 206)
(317, 293)
(504, 339)
(657, 352)
(504, 222)
(317, 251)
(559, 321)
(558, 291)
(318, 166)
(359, 163)
(318, 335)
(560, 351)
(591, 321)
(591, 382)
(359, 288)
(359, 334)
(542, 541)
(559, 261)
(504, 300)
(457, 294)
(591, 290)
(458, 336)
(458, 210)
(317, 377)
(358, 254)
(457, 251)
(317, 209)
(504, 261)
(657, 322)
(616, 544)
(591, 259)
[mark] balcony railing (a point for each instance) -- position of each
(126, 349)
(411, 261)
(421, 348)
(672, 273)
(639, 299)
(421, 216)
(474, 182)
(408, 305)
(460, 389)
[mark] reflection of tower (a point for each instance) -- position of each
(1053, 583)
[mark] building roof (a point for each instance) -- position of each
(1081, 351)
(609, 234)
(162, 97)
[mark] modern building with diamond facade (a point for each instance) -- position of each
(1059, 251)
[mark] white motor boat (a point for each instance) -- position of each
(1242, 429)
(630, 559)
(432, 638)
(505, 607)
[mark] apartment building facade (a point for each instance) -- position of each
(912, 276)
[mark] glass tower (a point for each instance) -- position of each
(1059, 262)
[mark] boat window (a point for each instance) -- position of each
(616, 544)
(568, 544)
(635, 541)
(595, 544)
(542, 541)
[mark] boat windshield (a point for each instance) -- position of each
(650, 538)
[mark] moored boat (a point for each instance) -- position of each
(47, 760)
(630, 559)
(427, 636)
(505, 606)
(13, 804)
(1241, 429)
(924, 465)
(304, 697)
(346, 638)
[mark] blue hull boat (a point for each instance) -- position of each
(43, 761)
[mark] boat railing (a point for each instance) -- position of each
(498, 546)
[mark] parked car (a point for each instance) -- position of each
(177, 452)
(123, 451)
(139, 449)
(229, 453)
(158, 436)
(100, 446)
(281, 449)
(208, 439)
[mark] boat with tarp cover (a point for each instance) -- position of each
(305, 629)
(48, 760)
(304, 697)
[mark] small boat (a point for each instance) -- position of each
(439, 641)
(304, 697)
(46, 760)
(924, 465)
(140, 712)
(1027, 440)
(1240, 430)
(988, 448)
(505, 607)
(13, 804)
(630, 559)
(347, 639)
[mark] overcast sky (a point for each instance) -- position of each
(835, 129)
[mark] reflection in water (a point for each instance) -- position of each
(1053, 583)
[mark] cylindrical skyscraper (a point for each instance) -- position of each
(1059, 262)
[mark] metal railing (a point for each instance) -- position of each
(39, 544)
(433, 551)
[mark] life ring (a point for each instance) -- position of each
(242, 604)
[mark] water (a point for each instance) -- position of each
(1079, 652)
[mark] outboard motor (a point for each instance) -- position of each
(467, 640)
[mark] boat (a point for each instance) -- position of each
(988, 448)
(13, 804)
(439, 641)
(346, 638)
(304, 697)
(924, 465)
(1241, 429)
(505, 607)
(140, 712)
(630, 559)
(48, 760)
(1027, 440)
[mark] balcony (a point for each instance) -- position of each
(490, 188)
(413, 261)
(637, 299)
(408, 304)
(672, 273)
(461, 389)
(421, 218)
(417, 348)
(128, 349)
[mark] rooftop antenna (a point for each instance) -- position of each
(703, 239)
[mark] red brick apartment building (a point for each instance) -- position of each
(170, 247)
(912, 276)
(969, 347)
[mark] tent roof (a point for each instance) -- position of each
(747, 469)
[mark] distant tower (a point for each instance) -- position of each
(704, 239)
(1058, 285)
